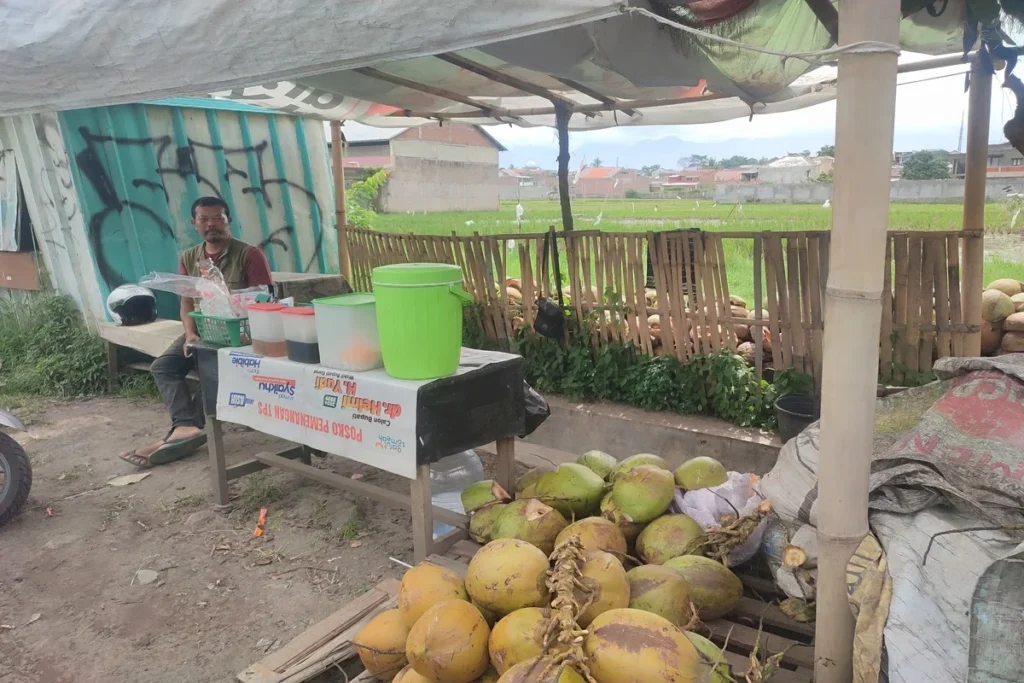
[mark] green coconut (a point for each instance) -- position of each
(713, 588)
(630, 529)
(667, 537)
(487, 492)
(701, 472)
(643, 493)
(526, 487)
(482, 522)
(634, 461)
(714, 664)
(532, 521)
(600, 462)
(661, 591)
(574, 490)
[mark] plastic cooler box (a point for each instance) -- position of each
(346, 328)
(300, 334)
(419, 317)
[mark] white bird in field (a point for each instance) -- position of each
(470, 222)
(511, 245)
(698, 202)
(828, 203)
(519, 212)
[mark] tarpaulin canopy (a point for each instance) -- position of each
(403, 62)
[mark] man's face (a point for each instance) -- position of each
(213, 224)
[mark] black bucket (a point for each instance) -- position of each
(796, 412)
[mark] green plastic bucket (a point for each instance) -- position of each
(419, 318)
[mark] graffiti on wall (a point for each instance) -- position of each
(181, 161)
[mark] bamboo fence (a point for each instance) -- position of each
(667, 293)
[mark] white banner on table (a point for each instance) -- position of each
(368, 417)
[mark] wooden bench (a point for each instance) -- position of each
(151, 339)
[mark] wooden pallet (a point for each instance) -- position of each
(328, 642)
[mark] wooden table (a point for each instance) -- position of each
(477, 407)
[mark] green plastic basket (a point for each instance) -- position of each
(222, 331)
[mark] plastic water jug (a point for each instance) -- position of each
(448, 476)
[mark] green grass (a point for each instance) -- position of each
(644, 215)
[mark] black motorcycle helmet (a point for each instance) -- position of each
(132, 305)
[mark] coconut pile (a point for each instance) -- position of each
(1002, 313)
(585, 577)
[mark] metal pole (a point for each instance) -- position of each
(865, 112)
(341, 217)
(979, 106)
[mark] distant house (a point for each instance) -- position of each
(795, 169)
(453, 167)
(1004, 161)
(611, 181)
(530, 182)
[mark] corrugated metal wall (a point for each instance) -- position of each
(138, 168)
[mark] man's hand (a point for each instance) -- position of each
(190, 339)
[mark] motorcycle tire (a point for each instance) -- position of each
(17, 479)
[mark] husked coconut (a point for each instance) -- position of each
(1013, 342)
(996, 305)
(737, 301)
(514, 295)
(753, 315)
(739, 311)
(1007, 286)
(991, 337)
(747, 351)
(1018, 302)
(449, 643)
(742, 332)
(1014, 323)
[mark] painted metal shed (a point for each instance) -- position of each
(109, 189)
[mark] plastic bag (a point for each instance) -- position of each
(448, 476)
(210, 290)
(708, 507)
(537, 409)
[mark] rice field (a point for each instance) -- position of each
(1004, 248)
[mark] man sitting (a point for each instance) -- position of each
(243, 265)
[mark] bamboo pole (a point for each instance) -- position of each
(562, 115)
(979, 107)
(758, 329)
(865, 111)
(340, 213)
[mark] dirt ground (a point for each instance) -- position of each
(72, 607)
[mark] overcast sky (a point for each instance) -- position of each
(931, 104)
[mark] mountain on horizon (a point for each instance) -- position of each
(667, 151)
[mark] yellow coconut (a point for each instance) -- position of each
(667, 537)
(409, 675)
(491, 676)
(532, 521)
(608, 584)
(626, 645)
(541, 670)
(713, 588)
(506, 575)
(661, 591)
(381, 645)
(518, 637)
(596, 533)
(449, 643)
(424, 586)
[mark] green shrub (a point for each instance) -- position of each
(717, 384)
(46, 349)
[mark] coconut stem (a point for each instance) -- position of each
(718, 543)
(565, 583)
